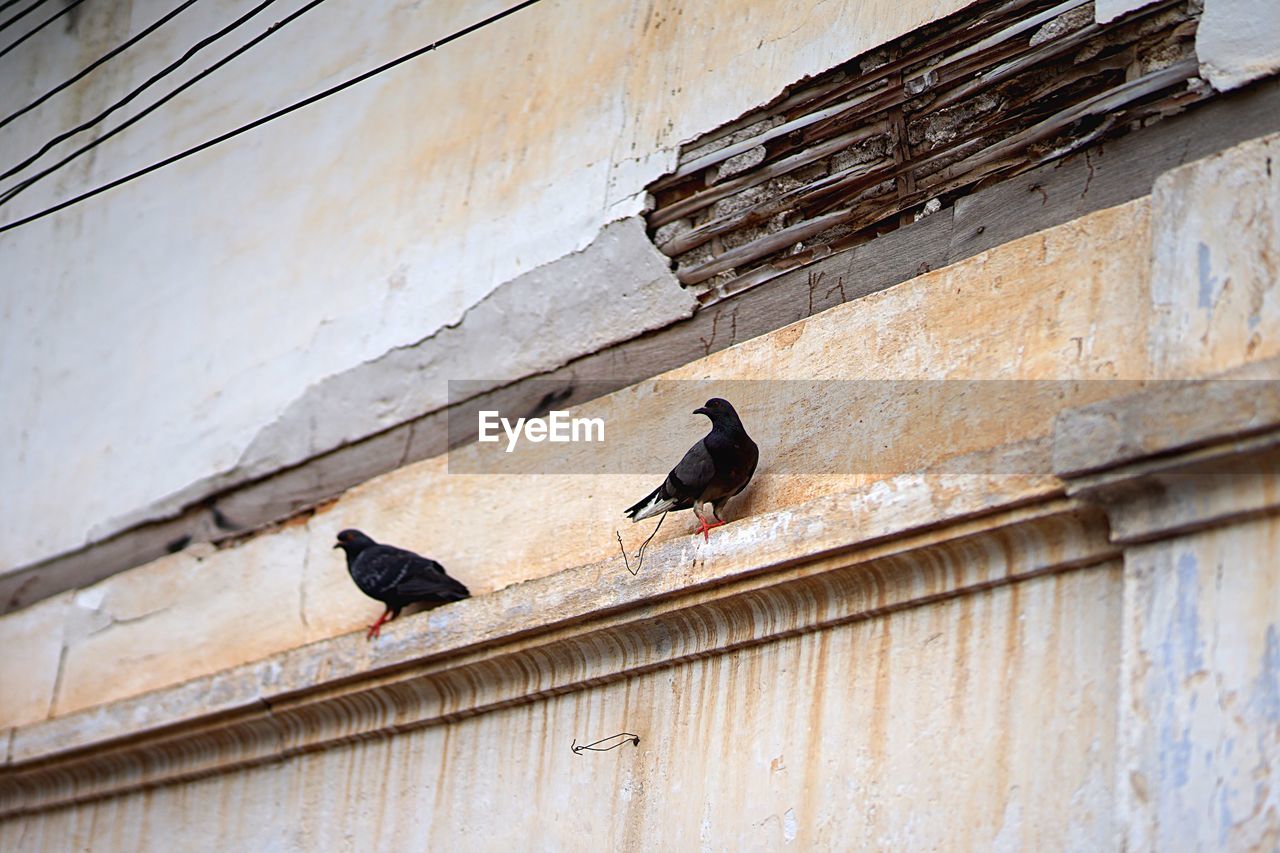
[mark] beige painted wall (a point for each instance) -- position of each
(1202, 681)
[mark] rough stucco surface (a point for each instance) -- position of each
(378, 217)
(998, 707)
(615, 288)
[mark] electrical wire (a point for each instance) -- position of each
(245, 128)
(88, 69)
(4, 26)
(38, 27)
(151, 81)
(89, 146)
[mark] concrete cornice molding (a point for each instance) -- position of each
(838, 559)
(1180, 494)
(1178, 457)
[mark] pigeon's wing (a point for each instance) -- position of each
(427, 581)
(376, 570)
(689, 479)
(682, 487)
(389, 573)
(752, 454)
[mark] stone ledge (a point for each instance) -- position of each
(909, 540)
(1063, 311)
(863, 517)
(900, 543)
(1211, 486)
(1178, 457)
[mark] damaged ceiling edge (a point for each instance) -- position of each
(971, 100)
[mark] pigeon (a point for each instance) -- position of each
(395, 577)
(714, 470)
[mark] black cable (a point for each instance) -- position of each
(164, 72)
(106, 57)
(89, 146)
(6, 4)
(297, 105)
(4, 26)
(38, 27)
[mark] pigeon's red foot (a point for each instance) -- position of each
(375, 629)
(704, 528)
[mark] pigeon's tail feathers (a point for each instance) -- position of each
(452, 589)
(456, 594)
(654, 503)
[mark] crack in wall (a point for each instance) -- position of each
(302, 584)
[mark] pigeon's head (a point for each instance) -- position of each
(353, 542)
(718, 410)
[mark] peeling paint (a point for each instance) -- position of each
(1238, 42)
(1266, 689)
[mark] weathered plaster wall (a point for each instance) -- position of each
(1238, 41)
(1083, 658)
(152, 338)
(1065, 301)
(1215, 260)
(1073, 303)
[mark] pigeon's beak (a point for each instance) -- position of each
(701, 410)
(339, 545)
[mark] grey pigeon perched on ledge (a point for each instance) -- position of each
(395, 577)
(712, 471)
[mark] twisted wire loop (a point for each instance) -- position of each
(643, 545)
(620, 737)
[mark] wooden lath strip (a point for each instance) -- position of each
(968, 171)
(921, 125)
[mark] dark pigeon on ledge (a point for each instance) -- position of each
(395, 577)
(714, 470)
